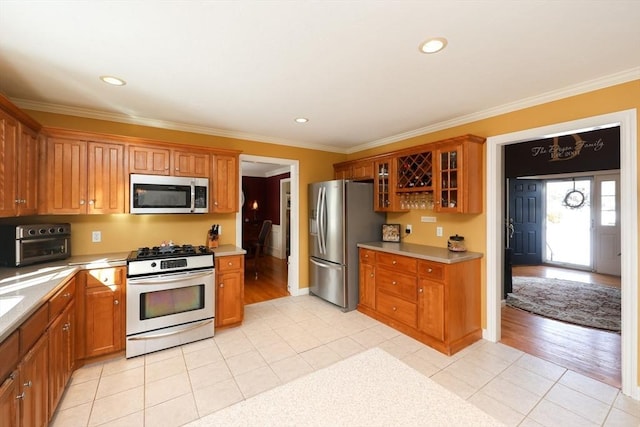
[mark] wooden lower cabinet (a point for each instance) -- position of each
(435, 303)
(229, 290)
(34, 385)
(104, 311)
(9, 405)
(61, 353)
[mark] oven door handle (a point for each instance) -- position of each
(178, 277)
(168, 334)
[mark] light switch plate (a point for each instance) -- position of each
(428, 218)
(439, 231)
(96, 236)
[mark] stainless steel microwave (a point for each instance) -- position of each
(160, 194)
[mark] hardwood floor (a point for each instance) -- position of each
(590, 352)
(271, 282)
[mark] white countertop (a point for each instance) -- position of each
(24, 289)
(429, 253)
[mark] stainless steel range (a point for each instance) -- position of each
(170, 297)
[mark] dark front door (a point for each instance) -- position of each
(525, 221)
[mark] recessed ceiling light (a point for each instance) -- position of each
(115, 81)
(301, 120)
(433, 45)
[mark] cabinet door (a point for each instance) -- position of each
(149, 160)
(104, 325)
(229, 299)
(384, 186)
(449, 181)
(106, 183)
(66, 176)
(34, 383)
(342, 171)
(61, 353)
(431, 308)
(367, 285)
(27, 189)
(9, 405)
(190, 164)
(8, 141)
(224, 196)
(362, 170)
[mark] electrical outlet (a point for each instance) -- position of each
(96, 236)
(408, 229)
(428, 219)
(219, 230)
(439, 231)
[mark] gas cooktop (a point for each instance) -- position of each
(169, 251)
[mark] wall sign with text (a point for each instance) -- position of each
(577, 152)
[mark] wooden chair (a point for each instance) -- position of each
(256, 247)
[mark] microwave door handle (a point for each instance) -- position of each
(193, 196)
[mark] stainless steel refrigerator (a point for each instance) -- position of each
(341, 216)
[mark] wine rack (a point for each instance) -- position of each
(415, 172)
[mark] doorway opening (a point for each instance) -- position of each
(627, 120)
(279, 267)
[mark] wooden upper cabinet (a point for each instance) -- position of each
(27, 185)
(458, 177)
(106, 180)
(8, 141)
(64, 189)
(224, 191)
(357, 170)
(191, 163)
(83, 177)
(149, 160)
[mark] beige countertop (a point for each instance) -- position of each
(429, 253)
(226, 250)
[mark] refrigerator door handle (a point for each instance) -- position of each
(319, 264)
(322, 202)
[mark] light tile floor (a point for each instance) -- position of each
(283, 339)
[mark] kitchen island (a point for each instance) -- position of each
(426, 292)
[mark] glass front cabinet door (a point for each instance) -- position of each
(384, 186)
(458, 186)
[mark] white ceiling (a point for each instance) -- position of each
(248, 68)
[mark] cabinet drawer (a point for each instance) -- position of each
(431, 270)
(9, 355)
(397, 262)
(396, 284)
(33, 328)
(105, 277)
(59, 301)
(398, 309)
(367, 256)
(229, 263)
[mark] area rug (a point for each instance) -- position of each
(372, 388)
(579, 303)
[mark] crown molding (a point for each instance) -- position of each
(164, 124)
(577, 89)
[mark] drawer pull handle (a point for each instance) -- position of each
(230, 264)
(420, 290)
(430, 270)
(371, 275)
(394, 283)
(27, 384)
(222, 285)
(20, 396)
(116, 302)
(394, 262)
(67, 295)
(395, 308)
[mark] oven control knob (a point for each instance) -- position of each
(32, 232)
(42, 231)
(52, 230)
(153, 264)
